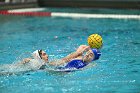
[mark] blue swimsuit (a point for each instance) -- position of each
(76, 64)
(80, 63)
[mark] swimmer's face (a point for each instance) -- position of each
(88, 56)
(44, 56)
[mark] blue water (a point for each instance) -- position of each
(117, 71)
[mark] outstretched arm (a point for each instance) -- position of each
(65, 59)
(77, 53)
(73, 55)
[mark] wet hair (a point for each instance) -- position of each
(40, 53)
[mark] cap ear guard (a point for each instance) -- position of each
(97, 54)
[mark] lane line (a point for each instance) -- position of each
(79, 15)
(33, 12)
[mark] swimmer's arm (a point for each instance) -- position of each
(71, 56)
(65, 59)
(56, 63)
(77, 53)
(26, 60)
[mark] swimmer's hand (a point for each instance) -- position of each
(82, 48)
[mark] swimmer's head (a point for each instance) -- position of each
(43, 55)
(40, 55)
(92, 54)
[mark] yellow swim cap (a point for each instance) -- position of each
(95, 41)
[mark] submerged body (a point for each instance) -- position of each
(19, 67)
(77, 60)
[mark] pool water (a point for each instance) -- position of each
(117, 71)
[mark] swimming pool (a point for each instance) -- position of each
(116, 72)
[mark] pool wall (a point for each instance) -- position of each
(125, 4)
(119, 4)
(18, 5)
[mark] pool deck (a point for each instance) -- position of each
(119, 4)
(5, 6)
(113, 4)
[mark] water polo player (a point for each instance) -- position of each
(77, 59)
(38, 59)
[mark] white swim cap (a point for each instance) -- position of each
(36, 55)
